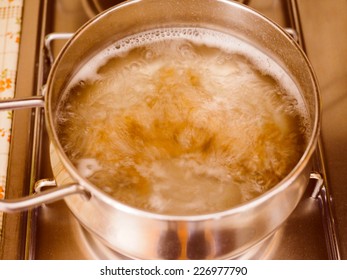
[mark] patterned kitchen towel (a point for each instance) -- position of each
(10, 26)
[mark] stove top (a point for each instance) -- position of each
(315, 230)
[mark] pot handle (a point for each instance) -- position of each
(42, 197)
(20, 103)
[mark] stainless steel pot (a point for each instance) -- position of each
(142, 235)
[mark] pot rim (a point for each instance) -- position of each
(245, 206)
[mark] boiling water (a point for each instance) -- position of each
(182, 121)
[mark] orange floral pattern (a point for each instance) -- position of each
(13, 36)
(5, 81)
(2, 192)
(10, 27)
(6, 134)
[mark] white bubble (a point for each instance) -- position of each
(87, 167)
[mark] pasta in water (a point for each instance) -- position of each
(182, 122)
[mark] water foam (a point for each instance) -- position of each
(211, 38)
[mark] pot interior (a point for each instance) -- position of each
(230, 18)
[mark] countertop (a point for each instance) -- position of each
(10, 26)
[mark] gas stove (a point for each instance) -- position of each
(315, 230)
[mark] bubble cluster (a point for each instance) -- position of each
(227, 43)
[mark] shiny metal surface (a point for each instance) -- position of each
(51, 37)
(20, 103)
(48, 196)
(60, 236)
(55, 234)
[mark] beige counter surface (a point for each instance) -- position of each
(10, 26)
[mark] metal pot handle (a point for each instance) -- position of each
(42, 197)
(19, 103)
